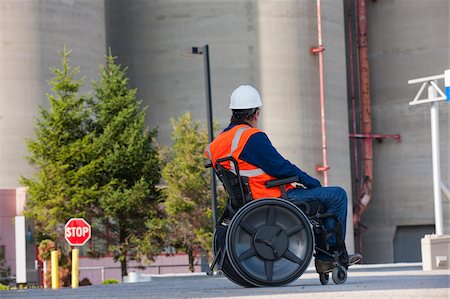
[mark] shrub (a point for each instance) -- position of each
(110, 281)
(3, 287)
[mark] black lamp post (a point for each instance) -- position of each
(204, 50)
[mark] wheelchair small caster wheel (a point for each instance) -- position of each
(220, 273)
(324, 278)
(339, 274)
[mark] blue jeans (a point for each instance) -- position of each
(333, 198)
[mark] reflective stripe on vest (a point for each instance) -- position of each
(252, 173)
(234, 145)
(208, 151)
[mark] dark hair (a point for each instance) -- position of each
(240, 115)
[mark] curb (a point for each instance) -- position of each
(140, 277)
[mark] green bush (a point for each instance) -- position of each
(110, 281)
(3, 287)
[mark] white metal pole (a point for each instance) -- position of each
(436, 162)
(21, 250)
(44, 276)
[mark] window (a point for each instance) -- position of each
(407, 246)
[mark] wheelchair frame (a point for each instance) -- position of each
(271, 241)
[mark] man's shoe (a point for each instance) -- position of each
(354, 259)
(323, 266)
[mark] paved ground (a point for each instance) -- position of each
(365, 281)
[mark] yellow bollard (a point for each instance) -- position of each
(75, 263)
(55, 276)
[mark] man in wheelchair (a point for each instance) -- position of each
(243, 147)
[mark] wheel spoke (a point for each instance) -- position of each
(269, 269)
(292, 257)
(271, 216)
(295, 229)
(248, 228)
(247, 254)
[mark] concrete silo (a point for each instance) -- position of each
(407, 40)
(31, 33)
(290, 85)
(153, 39)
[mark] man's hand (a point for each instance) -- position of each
(298, 185)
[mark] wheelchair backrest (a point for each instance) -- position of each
(236, 185)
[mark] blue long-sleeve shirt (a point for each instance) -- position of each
(260, 152)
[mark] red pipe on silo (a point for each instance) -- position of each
(319, 51)
(366, 115)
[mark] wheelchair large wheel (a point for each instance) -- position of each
(227, 269)
(270, 242)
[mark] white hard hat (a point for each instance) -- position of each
(245, 97)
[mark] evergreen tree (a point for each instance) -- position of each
(126, 168)
(187, 196)
(95, 159)
(60, 148)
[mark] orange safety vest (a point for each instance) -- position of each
(231, 143)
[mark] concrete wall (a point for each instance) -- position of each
(7, 228)
(407, 39)
(31, 33)
(12, 202)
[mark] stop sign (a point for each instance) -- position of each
(77, 231)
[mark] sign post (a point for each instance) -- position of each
(435, 248)
(55, 272)
(204, 50)
(77, 232)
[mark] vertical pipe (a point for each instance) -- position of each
(354, 142)
(75, 271)
(435, 147)
(55, 275)
(322, 96)
(352, 230)
(366, 114)
(352, 94)
(210, 127)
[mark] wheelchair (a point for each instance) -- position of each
(271, 241)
